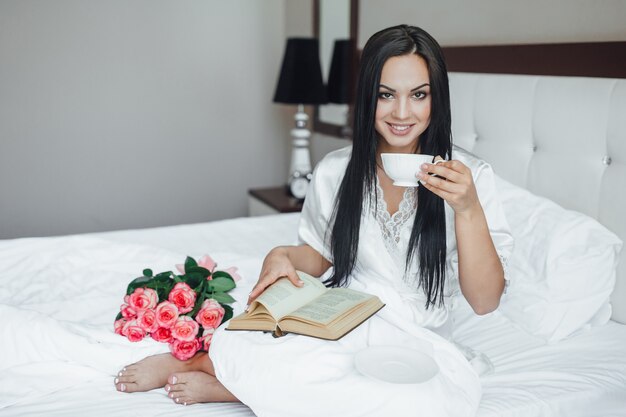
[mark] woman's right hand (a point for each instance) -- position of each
(276, 265)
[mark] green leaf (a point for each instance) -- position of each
(228, 313)
(190, 262)
(147, 272)
(221, 284)
(137, 283)
(194, 279)
(163, 288)
(222, 297)
(119, 316)
(199, 270)
(222, 274)
(196, 307)
(200, 288)
(163, 275)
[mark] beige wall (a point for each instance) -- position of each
(484, 22)
(135, 113)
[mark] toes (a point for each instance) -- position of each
(174, 387)
(180, 398)
(127, 372)
(125, 379)
(129, 369)
(173, 379)
(127, 387)
(184, 400)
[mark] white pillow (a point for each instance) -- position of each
(562, 270)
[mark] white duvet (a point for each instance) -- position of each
(58, 300)
(58, 354)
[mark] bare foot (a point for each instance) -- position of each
(152, 372)
(196, 387)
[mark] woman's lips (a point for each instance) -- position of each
(400, 130)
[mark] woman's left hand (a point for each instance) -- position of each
(456, 186)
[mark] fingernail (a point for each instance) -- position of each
(247, 308)
(300, 283)
(123, 387)
(117, 380)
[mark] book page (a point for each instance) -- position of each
(330, 305)
(282, 297)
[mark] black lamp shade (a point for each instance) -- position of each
(300, 80)
(340, 87)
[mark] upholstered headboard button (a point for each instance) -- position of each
(607, 160)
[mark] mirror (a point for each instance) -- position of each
(333, 20)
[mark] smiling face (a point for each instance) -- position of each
(404, 104)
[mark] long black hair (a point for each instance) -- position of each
(428, 236)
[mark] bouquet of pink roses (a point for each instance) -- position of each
(181, 310)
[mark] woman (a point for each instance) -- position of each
(416, 248)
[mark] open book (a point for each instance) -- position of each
(311, 310)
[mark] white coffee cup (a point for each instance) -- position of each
(403, 167)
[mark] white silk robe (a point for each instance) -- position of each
(303, 376)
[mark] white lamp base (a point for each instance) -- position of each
(300, 156)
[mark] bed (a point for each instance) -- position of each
(564, 355)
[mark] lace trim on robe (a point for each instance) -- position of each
(504, 261)
(391, 225)
(391, 228)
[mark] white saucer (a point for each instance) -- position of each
(398, 365)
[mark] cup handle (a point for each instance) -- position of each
(435, 175)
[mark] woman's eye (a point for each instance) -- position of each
(419, 95)
(385, 96)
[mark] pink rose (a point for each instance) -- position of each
(147, 320)
(166, 314)
(128, 312)
(233, 273)
(185, 329)
(119, 326)
(205, 262)
(210, 314)
(184, 350)
(206, 338)
(133, 331)
(162, 334)
(143, 298)
(183, 296)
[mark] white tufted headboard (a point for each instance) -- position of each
(560, 137)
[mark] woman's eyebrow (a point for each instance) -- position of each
(388, 88)
(418, 87)
(393, 91)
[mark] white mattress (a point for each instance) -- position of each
(582, 376)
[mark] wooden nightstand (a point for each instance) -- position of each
(264, 201)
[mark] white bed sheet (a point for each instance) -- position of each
(64, 366)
